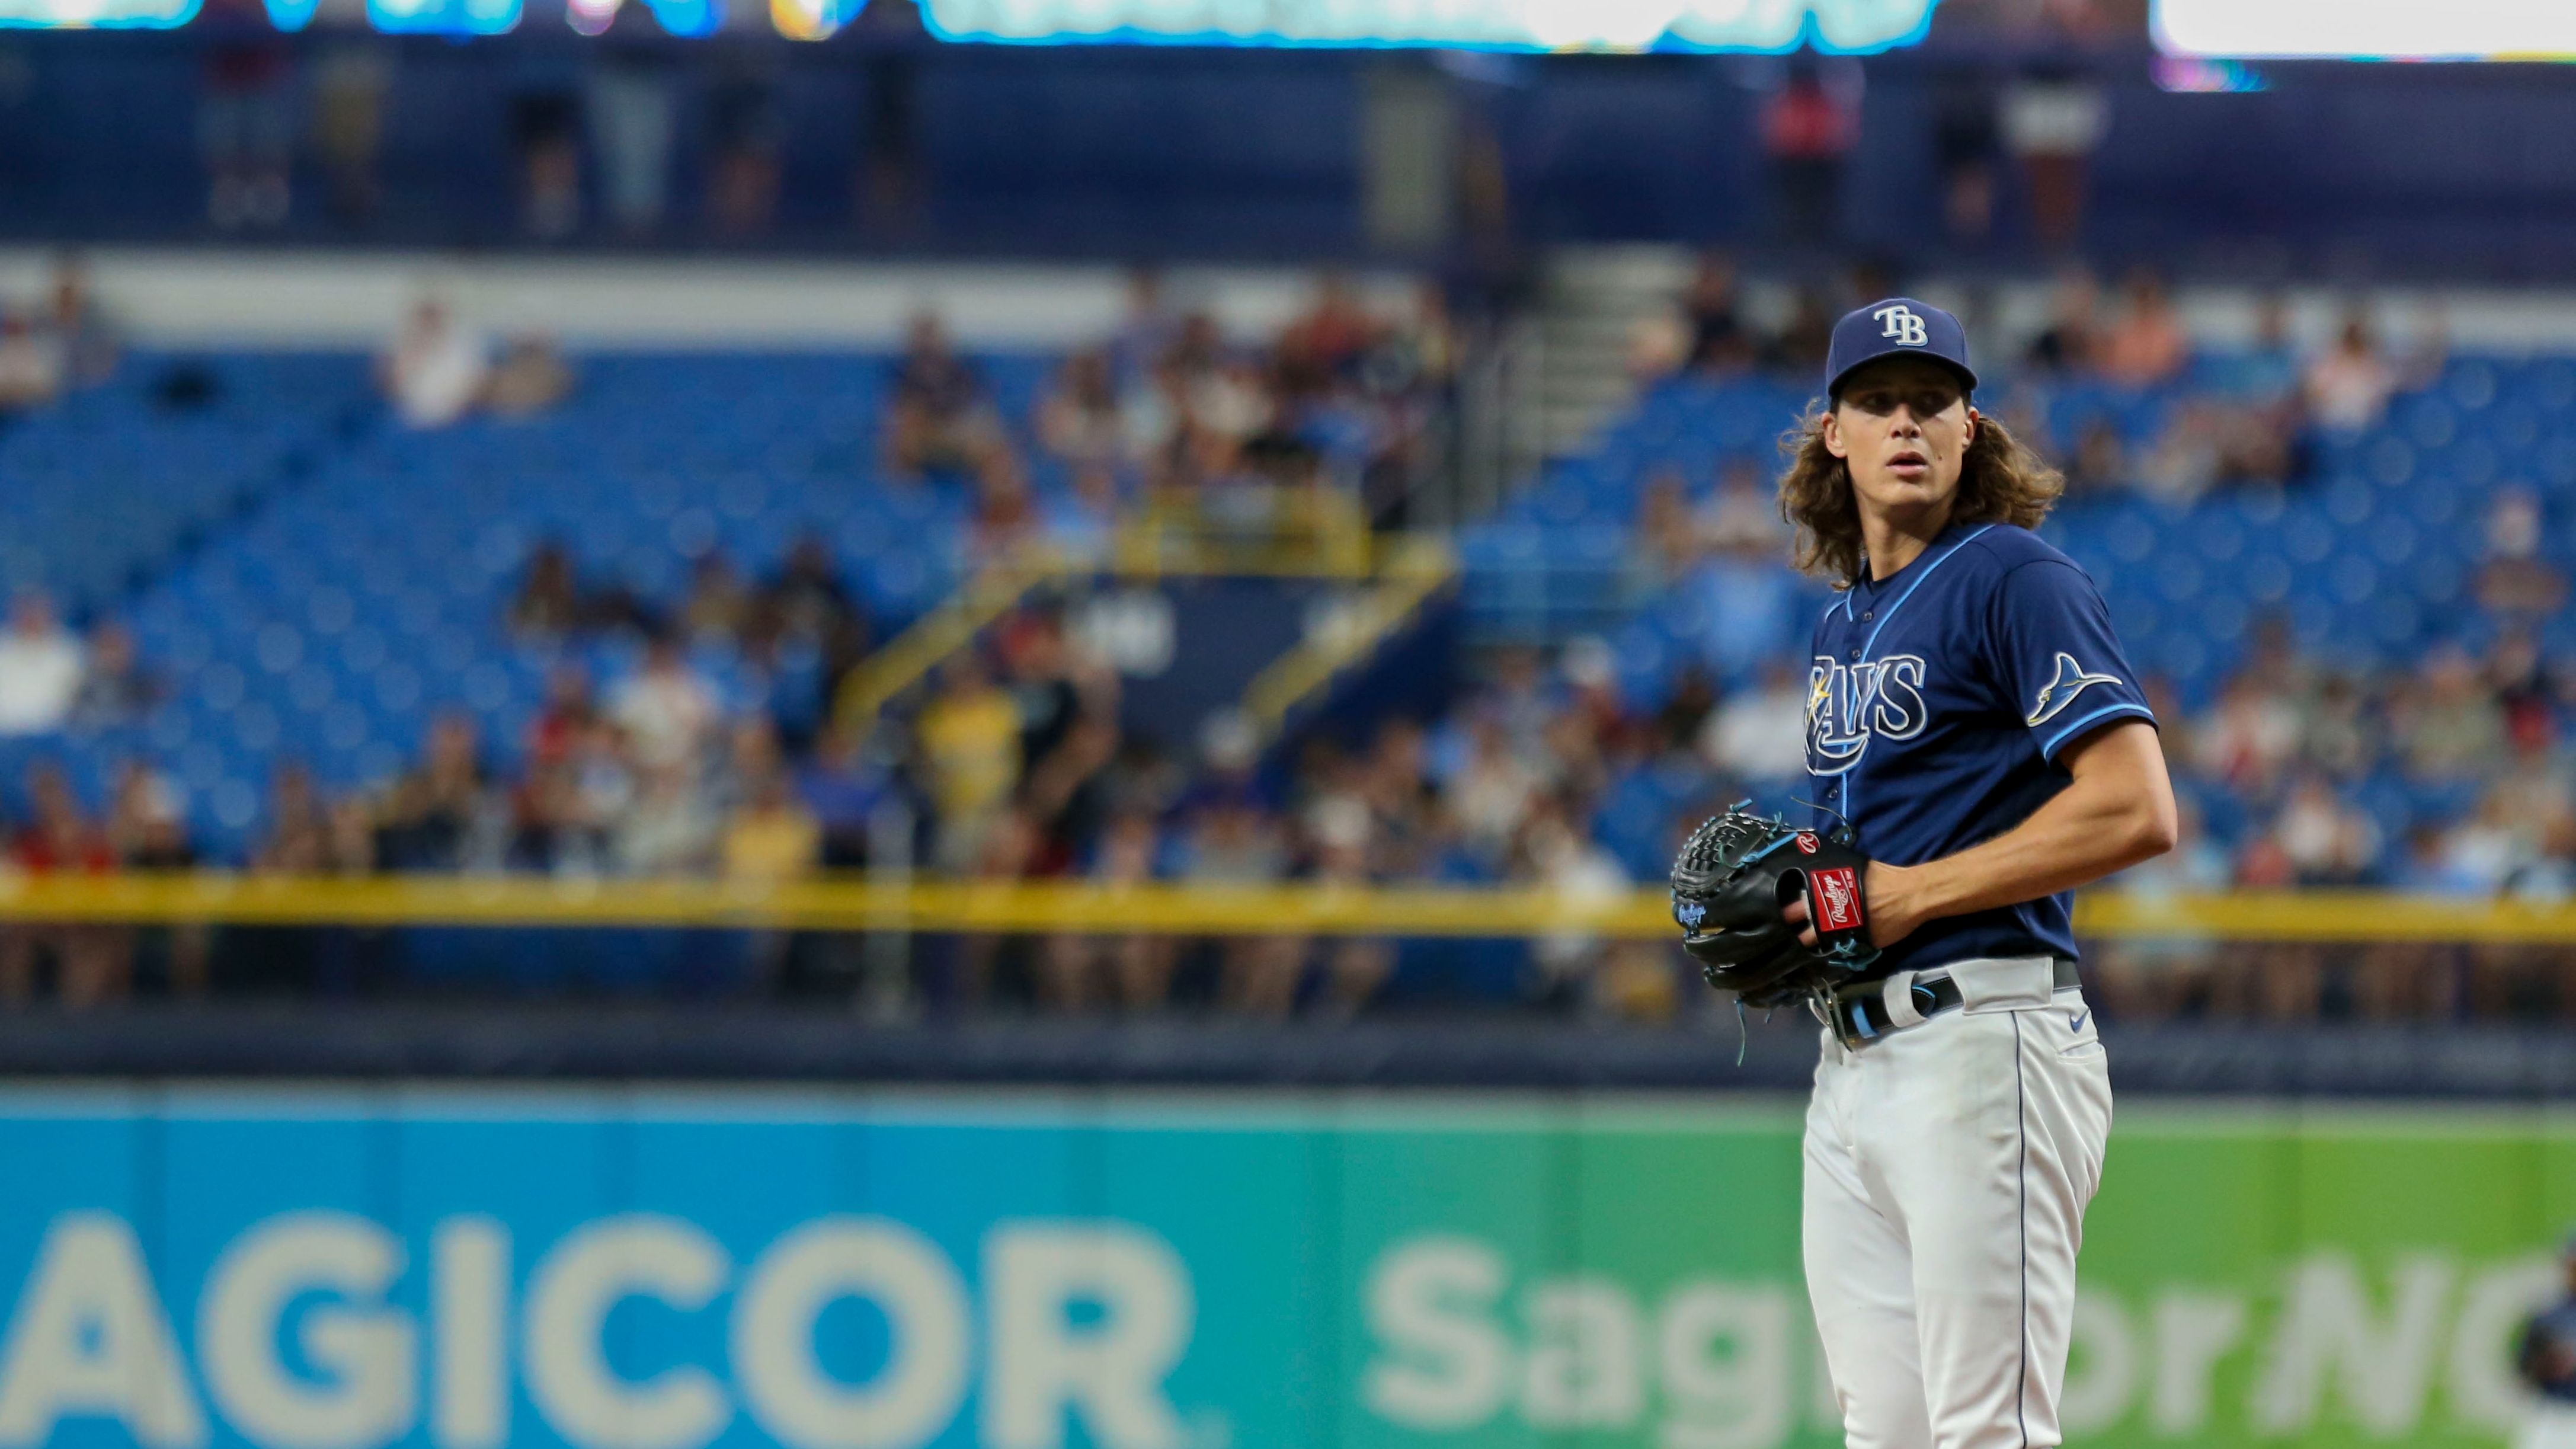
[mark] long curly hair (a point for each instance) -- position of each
(2000, 481)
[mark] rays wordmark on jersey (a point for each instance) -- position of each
(1848, 705)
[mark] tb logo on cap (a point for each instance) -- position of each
(1900, 323)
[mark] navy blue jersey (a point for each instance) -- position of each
(1938, 704)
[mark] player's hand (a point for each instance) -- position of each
(1892, 917)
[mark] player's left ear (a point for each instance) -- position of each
(1974, 418)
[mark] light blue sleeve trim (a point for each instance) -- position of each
(2048, 751)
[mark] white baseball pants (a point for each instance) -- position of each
(1947, 1170)
(2552, 1425)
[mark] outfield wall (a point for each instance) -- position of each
(651, 1269)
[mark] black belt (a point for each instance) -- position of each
(1859, 1013)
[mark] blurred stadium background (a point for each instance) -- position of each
(956, 723)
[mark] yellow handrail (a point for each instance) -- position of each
(856, 903)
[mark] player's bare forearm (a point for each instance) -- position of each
(2118, 810)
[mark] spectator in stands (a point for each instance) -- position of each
(436, 370)
(1799, 349)
(549, 601)
(1720, 342)
(2259, 444)
(2054, 115)
(1554, 855)
(1145, 335)
(718, 605)
(1520, 699)
(2516, 583)
(349, 88)
(770, 840)
(115, 688)
(93, 964)
(2266, 375)
(1657, 345)
(2528, 687)
(446, 815)
(2348, 385)
(807, 600)
(668, 829)
(1067, 709)
(42, 668)
(601, 774)
(2100, 462)
(545, 821)
(1079, 421)
(1326, 343)
(1966, 147)
(1758, 736)
(666, 710)
(545, 139)
(2251, 735)
(2339, 735)
(747, 130)
(1742, 517)
(2484, 855)
(1749, 595)
(530, 378)
(2148, 979)
(2147, 345)
(1667, 543)
(31, 365)
(1006, 513)
(938, 417)
(1345, 842)
(1132, 972)
(246, 117)
(565, 713)
(631, 114)
(844, 790)
(1229, 840)
(2452, 728)
(771, 837)
(298, 840)
(1491, 793)
(969, 742)
(147, 830)
(1081, 523)
(1808, 127)
(2187, 458)
(2069, 343)
(2321, 840)
(89, 338)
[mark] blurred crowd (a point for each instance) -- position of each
(2112, 384)
(1011, 760)
(1172, 411)
(54, 345)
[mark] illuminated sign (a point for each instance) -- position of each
(2366, 29)
(99, 14)
(1843, 26)
(443, 17)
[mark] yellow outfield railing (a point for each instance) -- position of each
(859, 904)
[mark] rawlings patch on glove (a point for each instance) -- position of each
(1733, 878)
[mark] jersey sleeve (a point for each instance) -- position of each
(2059, 665)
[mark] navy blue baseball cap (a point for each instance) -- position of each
(1897, 327)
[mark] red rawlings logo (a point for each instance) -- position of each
(1836, 894)
(1806, 842)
